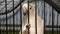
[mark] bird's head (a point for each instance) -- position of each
(25, 8)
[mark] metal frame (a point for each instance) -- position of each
(56, 7)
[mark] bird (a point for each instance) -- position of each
(31, 24)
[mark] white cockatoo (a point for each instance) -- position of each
(31, 25)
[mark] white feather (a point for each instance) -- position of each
(40, 22)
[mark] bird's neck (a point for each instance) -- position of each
(31, 15)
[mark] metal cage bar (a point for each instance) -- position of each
(13, 19)
(28, 17)
(44, 17)
(6, 16)
(36, 16)
(0, 26)
(54, 5)
(57, 23)
(21, 16)
(52, 23)
(21, 20)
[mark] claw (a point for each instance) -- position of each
(28, 26)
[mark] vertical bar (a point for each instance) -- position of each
(10, 27)
(44, 16)
(6, 16)
(0, 25)
(21, 17)
(52, 22)
(35, 16)
(17, 24)
(13, 19)
(28, 17)
(49, 24)
(57, 23)
(49, 19)
(3, 24)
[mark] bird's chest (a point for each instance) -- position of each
(32, 23)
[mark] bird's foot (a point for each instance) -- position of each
(28, 26)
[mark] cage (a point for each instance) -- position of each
(11, 15)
